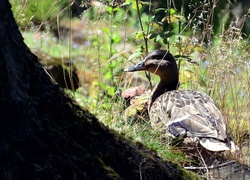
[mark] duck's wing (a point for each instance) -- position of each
(192, 113)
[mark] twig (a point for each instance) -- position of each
(145, 41)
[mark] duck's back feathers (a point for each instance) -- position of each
(191, 114)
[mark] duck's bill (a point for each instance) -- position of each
(138, 67)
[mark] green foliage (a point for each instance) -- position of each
(117, 36)
(27, 11)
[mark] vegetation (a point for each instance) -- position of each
(108, 37)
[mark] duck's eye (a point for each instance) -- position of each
(155, 57)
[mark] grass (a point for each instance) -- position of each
(101, 46)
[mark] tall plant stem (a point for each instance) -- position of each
(140, 22)
(145, 41)
(111, 41)
(169, 28)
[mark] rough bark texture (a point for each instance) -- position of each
(44, 135)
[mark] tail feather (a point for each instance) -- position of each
(212, 144)
(233, 147)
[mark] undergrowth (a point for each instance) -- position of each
(109, 37)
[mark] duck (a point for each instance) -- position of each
(183, 113)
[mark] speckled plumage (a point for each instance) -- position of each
(190, 111)
(184, 113)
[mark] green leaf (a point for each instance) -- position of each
(116, 38)
(145, 3)
(158, 38)
(106, 30)
(166, 33)
(111, 90)
(108, 75)
(135, 55)
(134, 6)
(139, 35)
(33, 7)
(109, 9)
(172, 11)
(159, 9)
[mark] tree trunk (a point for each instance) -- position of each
(45, 135)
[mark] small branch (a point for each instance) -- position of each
(140, 22)
(145, 41)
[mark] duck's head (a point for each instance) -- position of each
(161, 63)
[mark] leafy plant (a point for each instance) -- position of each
(211, 59)
(37, 12)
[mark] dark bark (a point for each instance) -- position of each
(44, 135)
